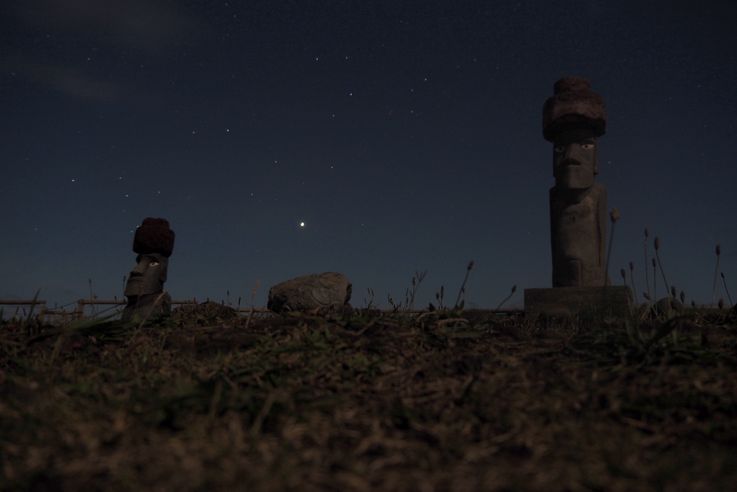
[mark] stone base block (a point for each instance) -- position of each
(570, 301)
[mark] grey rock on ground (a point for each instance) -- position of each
(309, 292)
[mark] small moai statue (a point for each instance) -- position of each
(573, 118)
(153, 242)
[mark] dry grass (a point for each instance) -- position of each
(362, 401)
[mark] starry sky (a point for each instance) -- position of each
(405, 135)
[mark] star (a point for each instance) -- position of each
(302, 225)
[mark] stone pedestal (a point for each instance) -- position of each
(570, 301)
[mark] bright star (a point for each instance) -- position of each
(301, 224)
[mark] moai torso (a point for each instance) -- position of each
(578, 236)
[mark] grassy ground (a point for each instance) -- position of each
(371, 401)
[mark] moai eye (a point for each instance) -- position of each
(587, 146)
(559, 148)
(154, 263)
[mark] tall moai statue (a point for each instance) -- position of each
(153, 242)
(573, 118)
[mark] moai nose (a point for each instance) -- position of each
(139, 269)
(569, 153)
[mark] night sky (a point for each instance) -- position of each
(406, 135)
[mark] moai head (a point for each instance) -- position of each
(153, 242)
(572, 120)
(148, 276)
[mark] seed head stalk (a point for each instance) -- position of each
(462, 290)
(724, 282)
(644, 248)
(614, 216)
(655, 279)
(632, 279)
(660, 265)
(499, 306)
(718, 252)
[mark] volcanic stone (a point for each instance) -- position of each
(322, 290)
(572, 119)
(570, 301)
(573, 104)
(154, 236)
(149, 308)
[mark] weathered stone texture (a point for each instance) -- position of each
(577, 236)
(154, 243)
(570, 301)
(149, 307)
(573, 104)
(323, 290)
(154, 236)
(572, 119)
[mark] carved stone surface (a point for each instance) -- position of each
(570, 301)
(578, 233)
(148, 307)
(323, 290)
(573, 118)
(148, 276)
(154, 243)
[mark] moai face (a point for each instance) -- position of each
(574, 159)
(148, 276)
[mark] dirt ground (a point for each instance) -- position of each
(371, 401)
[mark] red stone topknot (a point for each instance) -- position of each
(154, 236)
(573, 105)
